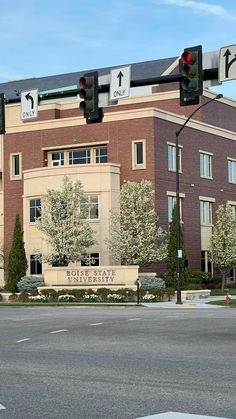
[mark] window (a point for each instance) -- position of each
(101, 155)
(206, 212)
(90, 259)
(139, 154)
(15, 166)
(233, 206)
(35, 266)
(171, 204)
(35, 209)
(84, 155)
(232, 171)
(57, 158)
(90, 207)
(79, 156)
(205, 165)
(172, 158)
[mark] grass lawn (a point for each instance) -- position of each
(223, 303)
(232, 291)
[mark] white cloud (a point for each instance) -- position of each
(212, 9)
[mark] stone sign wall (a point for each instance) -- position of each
(92, 277)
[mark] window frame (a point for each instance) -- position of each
(97, 154)
(13, 175)
(36, 210)
(89, 204)
(60, 160)
(171, 196)
(231, 167)
(171, 157)
(90, 257)
(135, 163)
(205, 164)
(37, 266)
(206, 214)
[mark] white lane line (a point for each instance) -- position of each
(95, 324)
(2, 407)
(59, 331)
(132, 320)
(22, 340)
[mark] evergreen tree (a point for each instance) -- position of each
(223, 241)
(63, 222)
(172, 253)
(135, 238)
(17, 262)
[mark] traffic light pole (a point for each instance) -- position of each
(208, 74)
(178, 250)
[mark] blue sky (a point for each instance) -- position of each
(47, 37)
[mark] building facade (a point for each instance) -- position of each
(135, 141)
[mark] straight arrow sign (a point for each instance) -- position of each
(120, 83)
(227, 63)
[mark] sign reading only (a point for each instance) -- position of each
(120, 83)
(29, 104)
(227, 63)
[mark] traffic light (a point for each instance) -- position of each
(89, 93)
(2, 114)
(191, 85)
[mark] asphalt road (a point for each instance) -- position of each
(121, 363)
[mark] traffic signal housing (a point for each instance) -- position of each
(190, 67)
(89, 93)
(2, 114)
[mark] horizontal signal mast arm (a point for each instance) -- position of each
(208, 74)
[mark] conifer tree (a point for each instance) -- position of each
(17, 262)
(172, 252)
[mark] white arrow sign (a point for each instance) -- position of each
(29, 104)
(120, 83)
(227, 63)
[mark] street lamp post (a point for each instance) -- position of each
(178, 250)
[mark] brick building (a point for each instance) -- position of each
(136, 140)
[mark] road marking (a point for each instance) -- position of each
(2, 407)
(95, 324)
(59, 331)
(132, 320)
(22, 340)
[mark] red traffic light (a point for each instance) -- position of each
(187, 57)
(83, 82)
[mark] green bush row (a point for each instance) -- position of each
(102, 295)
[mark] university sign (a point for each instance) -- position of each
(91, 277)
(88, 277)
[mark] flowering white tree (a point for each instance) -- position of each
(63, 222)
(223, 241)
(135, 237)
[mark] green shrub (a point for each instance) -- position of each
(66, 298)
(29, 283)
(1, 297)
(23, 297)
(115, 298)
(37, 298)
(102, 293)
(90, 298)
(191, 286)
(50, 294)
(13, 298)
(127, 294)
(170, 292)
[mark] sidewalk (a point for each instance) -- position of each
(188, 304)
